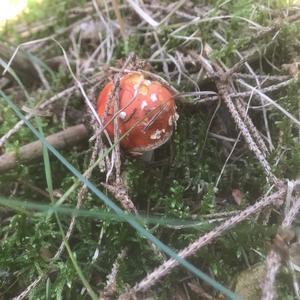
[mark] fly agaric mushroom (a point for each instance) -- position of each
(146, 116)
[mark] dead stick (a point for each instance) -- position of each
(61, 140)
(207, 238)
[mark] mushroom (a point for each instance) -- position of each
(146, 116)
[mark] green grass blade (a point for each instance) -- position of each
(25, 206)
(49, 181)
(120, 212)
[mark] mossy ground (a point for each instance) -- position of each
(180, 183)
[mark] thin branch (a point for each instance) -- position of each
(268, 89)
(42, 105)
(142, 13)
(61, 140)
(28, 290)
(276, 255)
(111, 284)
(81, 194)
(221, 81)
(252, 129)
(268, 99)
(202, 241)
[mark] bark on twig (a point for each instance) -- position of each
(110, 289)
(202, 241)
(61, 140)
(215, 72)
(32, 286)
(80, 197)
(279, 252)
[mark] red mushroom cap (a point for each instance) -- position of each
(147, 112)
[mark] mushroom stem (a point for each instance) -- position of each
(147, 156)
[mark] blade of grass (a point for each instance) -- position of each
(25, 206)
(120, 212)
(49, 181)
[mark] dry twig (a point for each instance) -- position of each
(61, 140)
(202, 241)
(42, 106)
(81, 194)
(216, 73)
(279, 252)
(111, 284)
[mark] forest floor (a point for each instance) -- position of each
(212, 214)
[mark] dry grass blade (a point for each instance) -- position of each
(142, 13)
(271, 88)
(268, 99)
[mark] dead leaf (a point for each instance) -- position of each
(237, 195)
(292, 68)
(199, 291)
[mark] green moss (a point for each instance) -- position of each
(288, 149)
(180, 183)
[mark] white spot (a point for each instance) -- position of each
(144, 104)
(122, 115)
(147, 82)
(175, 118)
(156, 135)
(153, 97)
(136, 88)
(163, 130)
(96, 254)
